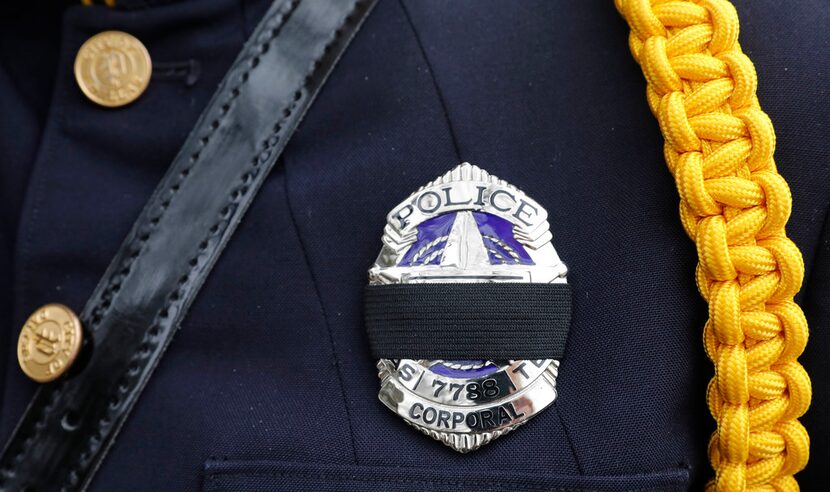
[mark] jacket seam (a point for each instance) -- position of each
(823, 232)
(442, 101)
(323, 311)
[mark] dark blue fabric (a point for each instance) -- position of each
(272, 365)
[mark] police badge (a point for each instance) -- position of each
(449, 250)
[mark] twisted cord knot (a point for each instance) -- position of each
(734, 205)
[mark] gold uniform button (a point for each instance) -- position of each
(113, 68)
(49, 342)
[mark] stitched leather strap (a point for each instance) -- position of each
(146, 291)
(495, 321)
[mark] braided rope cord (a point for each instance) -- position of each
(734, 205)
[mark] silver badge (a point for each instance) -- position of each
(467, 226)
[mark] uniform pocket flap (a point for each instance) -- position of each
(272, 476)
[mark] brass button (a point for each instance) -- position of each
(49, 342)
(113, 68)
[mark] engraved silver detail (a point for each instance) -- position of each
(467, 404)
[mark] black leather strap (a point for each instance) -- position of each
(145, 293)
(495, 321)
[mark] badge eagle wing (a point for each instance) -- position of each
(467, 226)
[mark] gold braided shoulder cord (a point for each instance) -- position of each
(734, 205)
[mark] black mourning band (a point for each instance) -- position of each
(493, 321)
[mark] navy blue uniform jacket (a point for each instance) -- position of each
(269, 384)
